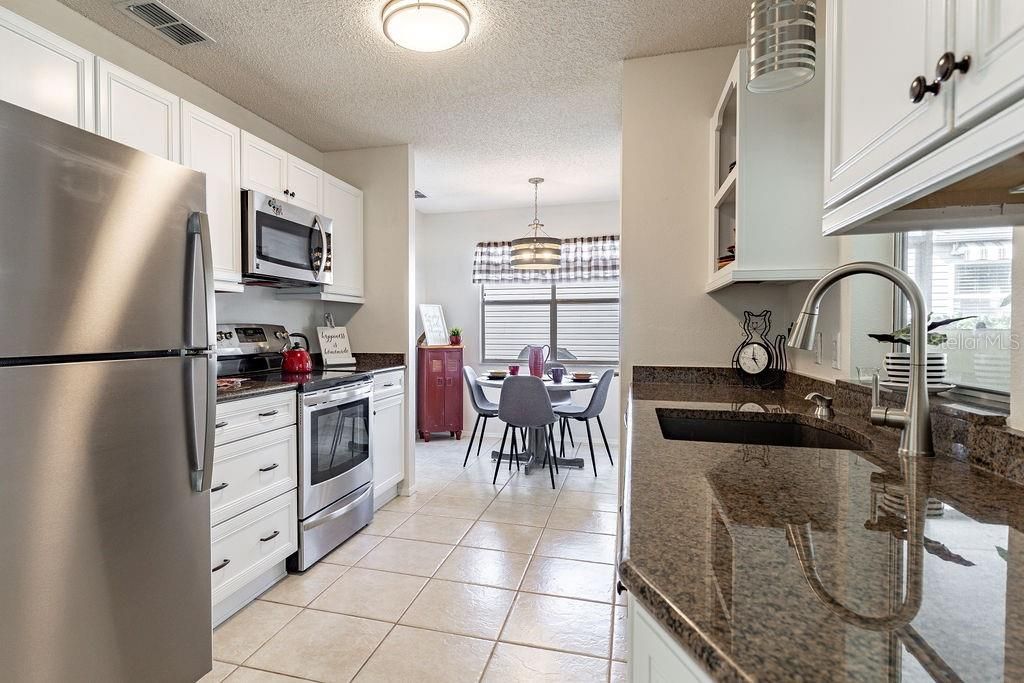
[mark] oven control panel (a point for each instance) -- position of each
(235, 339)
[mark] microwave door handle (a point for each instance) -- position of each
(199, 243)
(323, 244)
(201, 422)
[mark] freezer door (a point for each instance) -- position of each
(99, 250)
(105, 569)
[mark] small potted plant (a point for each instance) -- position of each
(455, 336)
(897, 363)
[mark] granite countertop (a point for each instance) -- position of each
(711, 532)
(257, 385)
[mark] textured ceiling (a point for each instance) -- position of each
(535, 90)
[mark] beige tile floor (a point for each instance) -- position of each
(463, 581)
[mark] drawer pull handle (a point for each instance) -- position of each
(269, 467)
(219, 487)
(221, 424)
(271, 537)
(272, 413)
(389, 384)
(221, 566)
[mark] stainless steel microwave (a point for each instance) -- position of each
(284, 243)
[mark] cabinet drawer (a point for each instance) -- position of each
(388, 383)
(251, 416)
(251, 543)
(252, 471)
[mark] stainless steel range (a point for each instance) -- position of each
(335, 437)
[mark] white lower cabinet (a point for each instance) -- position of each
(253, 503)
(251, 543)
(388, 435)
(653, 654)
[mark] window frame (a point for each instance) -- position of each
(968, 393)
(552, 324)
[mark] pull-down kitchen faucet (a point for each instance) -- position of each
(914, 418)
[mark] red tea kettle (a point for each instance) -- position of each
(297, 359)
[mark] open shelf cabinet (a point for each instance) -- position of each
(765, 184)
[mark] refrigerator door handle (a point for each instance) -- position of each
(199, 243)
(201, 421)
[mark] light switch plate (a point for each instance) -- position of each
(817, 348)
(835, 352)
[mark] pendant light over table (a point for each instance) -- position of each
(538, 251)
(782, 40)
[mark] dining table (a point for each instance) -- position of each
(536, 436)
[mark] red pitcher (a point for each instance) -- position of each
(538, 357)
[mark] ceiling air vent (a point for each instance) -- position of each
(158, 17)
(418, 195)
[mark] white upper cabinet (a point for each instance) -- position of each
(213, 146)
(264, 167)
(991, 32)
(874, 50)
(344, 205)
(137, 113)
(272, 171)
(45, 73)
(305, 184)
(932, 160)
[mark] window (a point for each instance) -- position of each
(578, 318)
(967, 273)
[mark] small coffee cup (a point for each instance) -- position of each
(513, 369)
(557, 374)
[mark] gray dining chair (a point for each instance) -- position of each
(587, 413)
(484, 408)
(560, 398)
(524, 404)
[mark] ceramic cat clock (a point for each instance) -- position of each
(757, 359)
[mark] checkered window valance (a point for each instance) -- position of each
(583, 258)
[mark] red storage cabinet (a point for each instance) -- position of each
(439, 391)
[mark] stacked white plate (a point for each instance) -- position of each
(897, 370)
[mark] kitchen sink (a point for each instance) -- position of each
(784, 431)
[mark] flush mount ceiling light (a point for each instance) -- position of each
(426, 25)
(538, 251)
(782, 42)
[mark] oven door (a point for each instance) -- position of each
(337, 444)
(286, 241)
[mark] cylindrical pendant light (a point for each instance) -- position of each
(782, 41)
(536, 251)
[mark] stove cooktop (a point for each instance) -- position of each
(312, 381)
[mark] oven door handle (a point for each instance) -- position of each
(323, 243)
(314, 523)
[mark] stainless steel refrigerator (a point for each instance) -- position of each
(107, 378)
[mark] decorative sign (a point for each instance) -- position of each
(335, 346)
(434, 326)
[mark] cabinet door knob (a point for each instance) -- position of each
(286, 192)
(919, 87)
(947, 66)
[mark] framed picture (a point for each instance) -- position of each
(434, 327)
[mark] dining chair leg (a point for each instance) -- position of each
(568, 427)
(515, 451)
(551, 436)
(606, 446)
(497, 465)
(561, 433)
(470, 447)
(593, 460)
(551, 470)
(483, 428)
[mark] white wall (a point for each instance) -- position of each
(444, 258)
(667, 102)
(65, 22)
